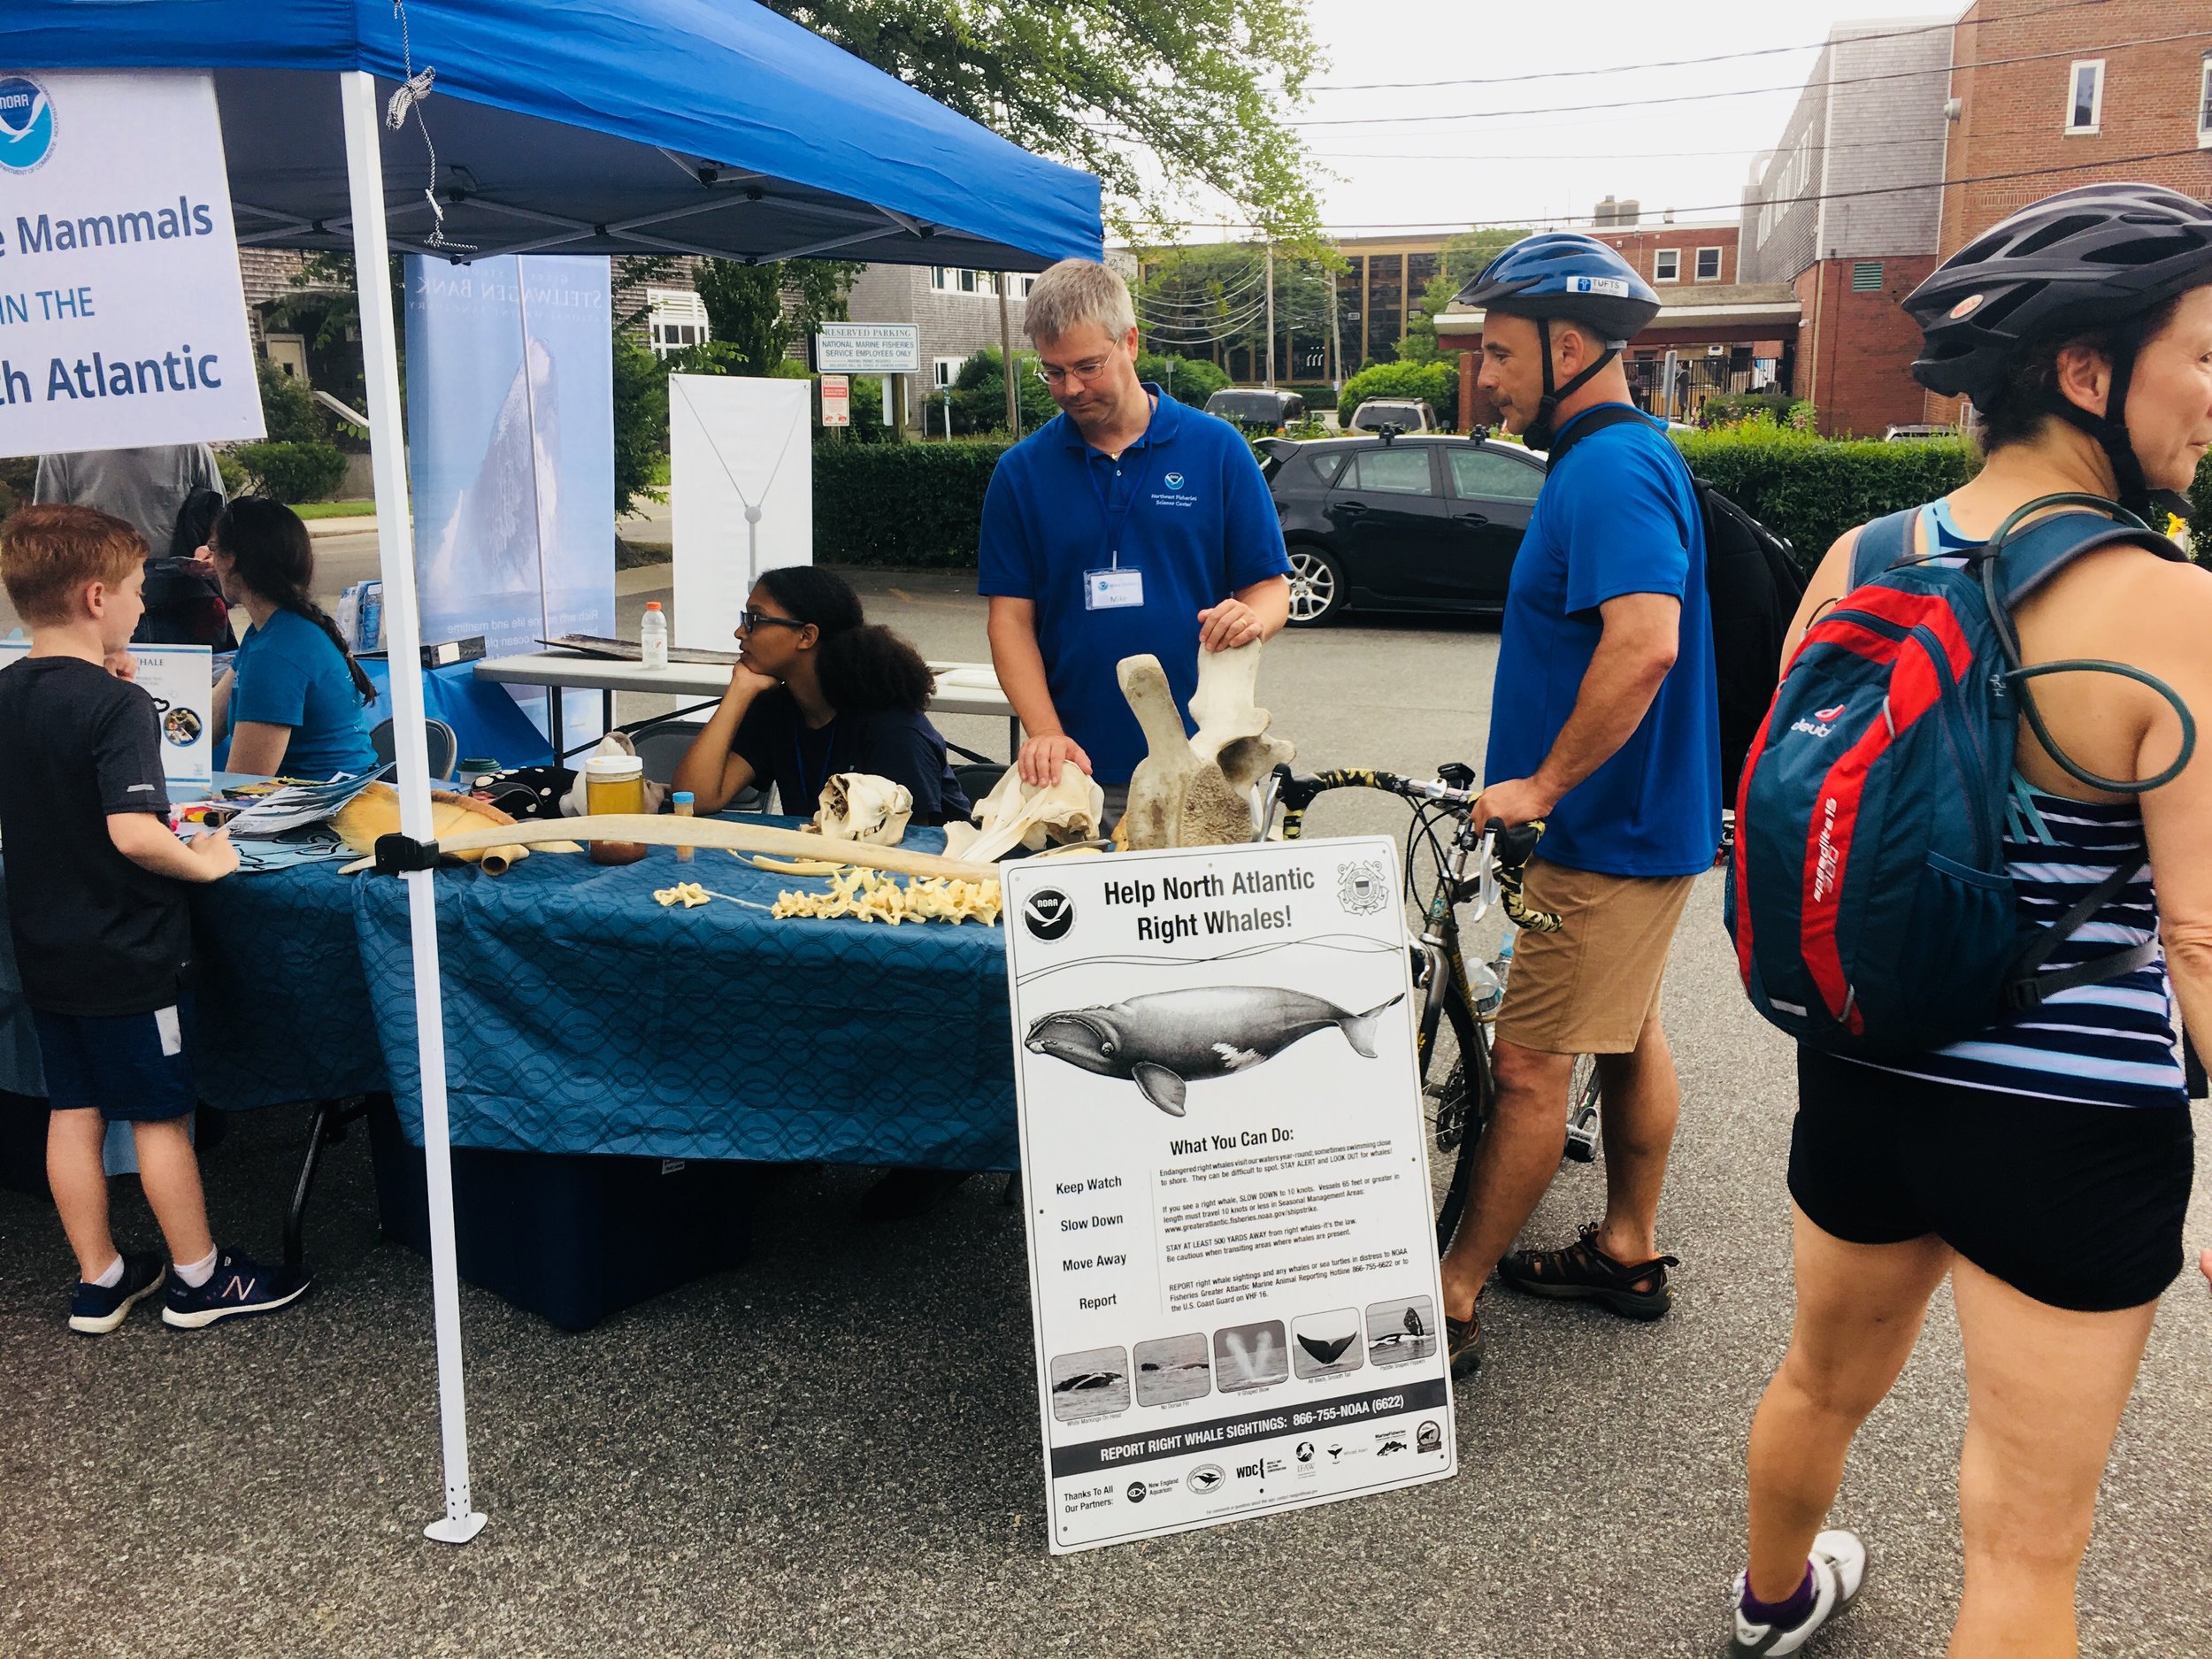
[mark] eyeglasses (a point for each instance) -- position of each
(750, 620)
(1086, 372)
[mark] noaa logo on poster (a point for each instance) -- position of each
(1361, 888)
(1173, 481)
(1048, 914)
(26, 124)
(1205, 1478)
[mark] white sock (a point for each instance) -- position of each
(113, 1277)
(199, 1273)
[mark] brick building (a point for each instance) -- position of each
(1846, 210)
(957, 310)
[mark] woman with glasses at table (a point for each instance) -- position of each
(818, 689)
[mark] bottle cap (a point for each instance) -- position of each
(613, 768)
(682, 797)
(652, 604)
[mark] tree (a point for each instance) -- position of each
(745, 303)
(1212, 296)
(1200, 85)
(1463, 259)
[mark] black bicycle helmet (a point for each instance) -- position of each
(2100, 257)
(1562, 275)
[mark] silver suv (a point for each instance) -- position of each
(1406, 414)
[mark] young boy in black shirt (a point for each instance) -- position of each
(96, 908)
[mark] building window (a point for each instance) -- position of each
(940, 277)
(1022, 285)
(1708, 265)
(1666, 265)
(675, 317)
(2204, 106)
(1866, 276)
(944, 371)
(2085, 95)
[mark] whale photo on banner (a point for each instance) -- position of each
(122, 317)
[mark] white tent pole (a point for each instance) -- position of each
(403, 634)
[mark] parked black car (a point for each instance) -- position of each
(1427, 522)
(1256, 408)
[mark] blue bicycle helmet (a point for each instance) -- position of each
(1566, 275)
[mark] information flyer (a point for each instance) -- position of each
(1231, 1250)
(180, 680)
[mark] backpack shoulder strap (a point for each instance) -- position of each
(1883, 543)
(1597, 420)
(2032, 556)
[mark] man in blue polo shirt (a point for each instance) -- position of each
(1127, 525)
(1604, 723)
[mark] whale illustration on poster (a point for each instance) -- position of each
(1163, 1042)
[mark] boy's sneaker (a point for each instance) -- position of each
(1839, 1563)
(97, 1309)
(238, 1285)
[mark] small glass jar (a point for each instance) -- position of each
(680, 804)
(614, 783)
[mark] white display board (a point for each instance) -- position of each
(180, 680)
(122, 317)
(740, 463)
(869, 347)
(1232, 1247)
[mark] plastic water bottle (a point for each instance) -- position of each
(1485, 987)
(652, 637)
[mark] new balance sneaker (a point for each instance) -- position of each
(1838, 1563)
(96, 1309)
(238, 1285)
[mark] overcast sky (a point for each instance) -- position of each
(1504, 164)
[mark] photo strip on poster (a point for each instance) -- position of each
(1231, 1245)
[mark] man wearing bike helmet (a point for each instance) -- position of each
(1604, 723)
(2043, 1166)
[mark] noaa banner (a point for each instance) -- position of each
(510, 449)
(122, 320)
(1232, 1247)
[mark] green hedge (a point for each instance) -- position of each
(294, 472)
(917, 506)
(1811, 490)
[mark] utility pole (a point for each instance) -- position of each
(1271, 313)
(1336, 340)
(1006, 360)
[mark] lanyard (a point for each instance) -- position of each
(810, 793)
(1115, 519)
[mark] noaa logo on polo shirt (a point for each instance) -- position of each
(1171, 493)
(1174, 480)
(26, 124)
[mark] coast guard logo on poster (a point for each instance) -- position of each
(1048, 914)
(26, 124)
(1361, 888)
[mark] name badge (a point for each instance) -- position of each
(1112, 589)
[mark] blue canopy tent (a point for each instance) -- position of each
(638, 126)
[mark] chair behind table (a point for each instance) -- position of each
(445, 747)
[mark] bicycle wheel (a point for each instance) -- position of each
(1477, 1096)
(1582, 1110)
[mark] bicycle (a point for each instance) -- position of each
(1478, 867)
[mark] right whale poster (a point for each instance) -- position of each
(1225, 1163)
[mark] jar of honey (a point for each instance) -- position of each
(614, 783)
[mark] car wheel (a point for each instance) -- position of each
(1316, 587)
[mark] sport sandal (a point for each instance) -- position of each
(1839, 1564)
(1582, 1272)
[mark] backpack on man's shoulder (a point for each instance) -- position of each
(1872, 911)
(1753, 584)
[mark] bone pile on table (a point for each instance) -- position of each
(1018, 814)
(1195, 791)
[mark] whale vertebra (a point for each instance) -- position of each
(1170, 1039)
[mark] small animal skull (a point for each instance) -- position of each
(857, 806)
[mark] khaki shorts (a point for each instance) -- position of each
(1589, 988)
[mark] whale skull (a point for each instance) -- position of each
(857, 806)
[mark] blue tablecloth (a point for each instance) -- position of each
(483, 717)
(581, 1016)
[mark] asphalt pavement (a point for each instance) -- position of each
(834, 1450)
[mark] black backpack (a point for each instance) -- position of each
(1753, 584)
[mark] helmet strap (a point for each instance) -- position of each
(2130, 488)
(1538, 434)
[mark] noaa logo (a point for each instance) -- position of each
(1173, 481)
(26, 124)
(1205, 1478)
(1048, 913)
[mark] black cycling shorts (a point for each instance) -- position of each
(2077, 1206)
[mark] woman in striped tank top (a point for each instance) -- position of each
(2043, 1166)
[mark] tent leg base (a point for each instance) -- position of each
(455, 1529)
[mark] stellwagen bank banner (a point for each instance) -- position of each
(122, 321)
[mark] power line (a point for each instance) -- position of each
(1687, 63)
(2105, 164)
(1743, 92)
